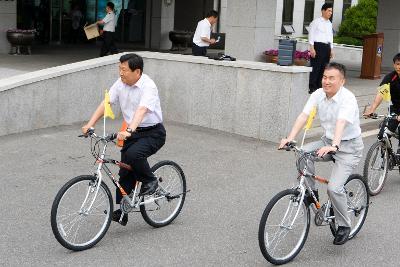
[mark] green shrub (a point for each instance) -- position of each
(347, 40)
(359, 20)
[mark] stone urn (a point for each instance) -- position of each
(180, 39)
(20, 38)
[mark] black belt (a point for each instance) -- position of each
(322, 43)
(143, 129)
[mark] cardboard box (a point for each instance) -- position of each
(92, 31)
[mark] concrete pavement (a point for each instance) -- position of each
(231, 179)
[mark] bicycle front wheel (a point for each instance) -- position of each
(284, 227)
(357, 202)
(376, 167)
(80, 217)
(169, 196)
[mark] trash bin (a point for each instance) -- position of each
(286, 50)
(372, 56)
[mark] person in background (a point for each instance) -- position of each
(320, 38)
(108, 23)
(201, 38)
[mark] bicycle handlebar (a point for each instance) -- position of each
(377, 116)
(292, 146)
(91, 133)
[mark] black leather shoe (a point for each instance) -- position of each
(308, 200)
(117, 214)
(149, 188)
(342, 235)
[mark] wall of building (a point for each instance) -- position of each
(241, 97)
(387, 11)
(8, 20)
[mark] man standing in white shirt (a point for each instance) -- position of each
(201, 38)
(338, 112)
(137, 96)
(108, 31)
(320, 38)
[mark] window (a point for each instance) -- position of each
(308, 14)
(287, 14)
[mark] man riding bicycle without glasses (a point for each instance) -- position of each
(394, 82)
(137, 95)
(339, 116)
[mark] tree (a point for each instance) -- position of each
(359, 20)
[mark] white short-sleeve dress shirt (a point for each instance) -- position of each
(343, 105)
(321, 31)
(203, 30)
(109, 22)
(142, 94)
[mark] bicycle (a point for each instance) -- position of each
(82, 209)
(287, 215)
(380, 157)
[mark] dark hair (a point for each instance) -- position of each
(134, 61)
(340, 67)
(212, 13)
(326, 6)
(110, 5)
(396, 58)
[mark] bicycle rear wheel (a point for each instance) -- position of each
(376, 167)
(284, 227)
(75, 226)
(172, 193)
(357, 201)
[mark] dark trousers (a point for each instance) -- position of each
(136, 150)
(393, 124)
(199, 50)
(108, 44)
(318, 64)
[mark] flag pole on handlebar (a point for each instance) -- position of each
(107, 110)
(308, 125)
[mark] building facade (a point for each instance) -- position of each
(250, 26)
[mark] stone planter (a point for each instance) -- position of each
(20, 39)
(271, 58)
(180, 39)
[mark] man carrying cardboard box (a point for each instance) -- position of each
(108, 31)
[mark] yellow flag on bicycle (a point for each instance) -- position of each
(384, 90)
(107, 107)
(311, 118)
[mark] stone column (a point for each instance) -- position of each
(317, 8)
(250, 28)
(386, 23)
(278, 18)
(298, 17)
(223, 15)
(8, 20)
(337, 14)
(162, 22)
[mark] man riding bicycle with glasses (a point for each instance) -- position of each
(339, 116)
(137, 95)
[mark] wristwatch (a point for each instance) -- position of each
(129, 130)
(337, 147)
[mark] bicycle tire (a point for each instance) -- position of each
(159, 214)
(375, 183)
(71, 198)
(353, 183)
(269, 218)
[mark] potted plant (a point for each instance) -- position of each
(301, 58)
(18, 38)
(271, 56)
